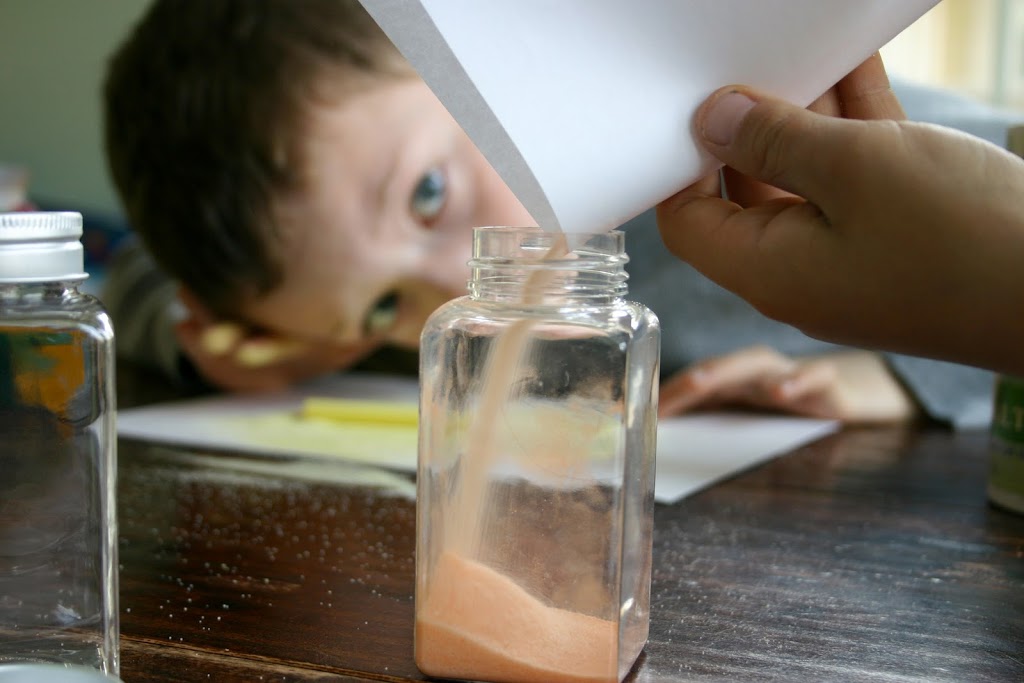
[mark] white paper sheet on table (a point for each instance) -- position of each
(584, 107)
(693, 452)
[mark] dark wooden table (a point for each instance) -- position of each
(871, 555)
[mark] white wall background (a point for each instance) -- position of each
(974, 46)
(53, 55)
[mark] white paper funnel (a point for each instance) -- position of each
(585, 106)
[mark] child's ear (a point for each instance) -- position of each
(196, 310)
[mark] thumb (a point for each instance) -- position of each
(750, 250)
(775, 142)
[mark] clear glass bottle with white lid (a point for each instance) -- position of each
(58, 523)
(538, 417)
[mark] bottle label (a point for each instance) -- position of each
(1006, 445)
(40, 368)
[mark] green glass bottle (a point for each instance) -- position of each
(1006, 443)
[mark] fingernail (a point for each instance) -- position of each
(787, 389)
(722, 119)
(697, 377)
(219, 338)
(258, 354)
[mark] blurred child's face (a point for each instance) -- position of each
(381, 236)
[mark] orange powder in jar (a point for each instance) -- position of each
(478, 624)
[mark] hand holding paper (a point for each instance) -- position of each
(894, 245)
(585, 106)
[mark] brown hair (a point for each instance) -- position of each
(203, 116)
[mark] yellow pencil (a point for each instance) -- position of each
(356, 411)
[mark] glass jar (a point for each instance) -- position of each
(538, 419)
(58, 530)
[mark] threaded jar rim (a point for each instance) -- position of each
(507, 259)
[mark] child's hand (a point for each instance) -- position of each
(852, 386)
(233, 358)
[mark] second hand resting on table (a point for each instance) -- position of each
(852, 386)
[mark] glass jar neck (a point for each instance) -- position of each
(528, 265)
(27, 291)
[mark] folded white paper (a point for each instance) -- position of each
(693, 451)
(585, 107)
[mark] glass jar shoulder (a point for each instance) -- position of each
(643, 319)
(68, 309)
(618, 315)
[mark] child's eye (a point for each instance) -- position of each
(382, 315)
(429, 197)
